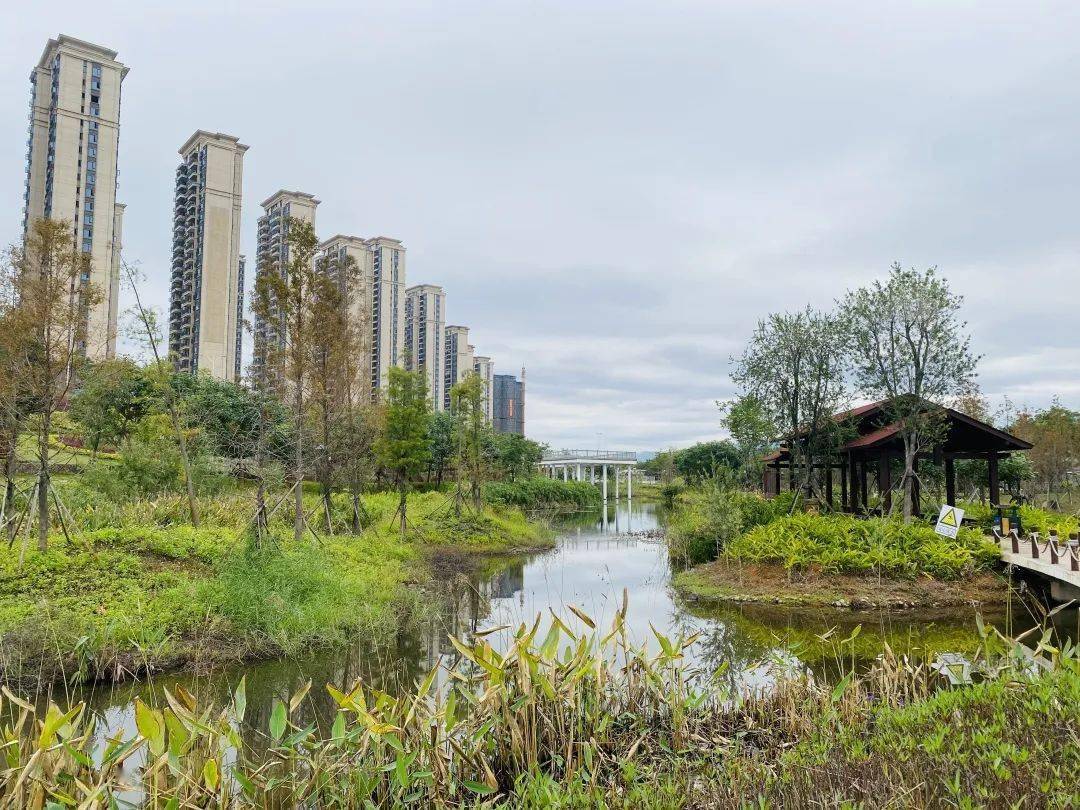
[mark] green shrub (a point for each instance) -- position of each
(1032, 518)
(539, 492)
(670, 491)
(843, 544)
(707, 520)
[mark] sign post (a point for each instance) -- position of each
(949, 520)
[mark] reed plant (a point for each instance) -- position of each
(584, 719)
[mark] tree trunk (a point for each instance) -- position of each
(9, 484)
(909, 479)
(355, 512)
(43, 482)
(402, 505)
(298, 461)
(193, 506)
(325, 472)
(260, 510)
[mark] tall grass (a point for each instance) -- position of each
(539, 492)
(587, 720)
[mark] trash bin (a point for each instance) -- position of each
(1006, 519)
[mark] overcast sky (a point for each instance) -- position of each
(613, 193)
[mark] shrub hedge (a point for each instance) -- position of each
(844, 544)
(538, 492)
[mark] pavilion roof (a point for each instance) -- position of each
(875, 430)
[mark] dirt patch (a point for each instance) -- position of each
(772, 584)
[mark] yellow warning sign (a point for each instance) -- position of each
(949, 520)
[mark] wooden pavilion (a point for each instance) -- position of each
(876, 441)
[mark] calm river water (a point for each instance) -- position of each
(599, 554)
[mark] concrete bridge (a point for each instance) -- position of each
(592, 466)
(1051, 557)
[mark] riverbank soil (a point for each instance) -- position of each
(724, 580)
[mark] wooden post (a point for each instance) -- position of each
(884, 482)
(853, 480)
(995, 484)
(864, 492)
(950, 481)
(828, 483)
(776, 470)
(844, 505)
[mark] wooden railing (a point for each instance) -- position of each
(1052, 549)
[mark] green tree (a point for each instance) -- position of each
(285, 297)
(705, 460)
(442, 440)
(1055, 434)
(516, 456)
(335, 350)
(113, 396)
(467, 406)
(354, 436)
(54, 299)
(403, 447)
(228, 414)
(909, 347)
(753, 432)
(794, 366)
(145, 329)
(14, 405)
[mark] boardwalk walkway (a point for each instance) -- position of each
(1057, 560)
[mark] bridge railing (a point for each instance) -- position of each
(590, 455)
(1053, 549)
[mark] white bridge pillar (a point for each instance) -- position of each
(603, 475)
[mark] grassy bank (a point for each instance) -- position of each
(747, 549)
(136, 588)
(566, 721)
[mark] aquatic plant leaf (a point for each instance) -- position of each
(210, 774)
(240, 699)
(298, 698)
(583, 616)
(151, 725)
(277, 721)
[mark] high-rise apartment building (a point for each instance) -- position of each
(508, 395)
(206, 297)
(457, 359)
(387, 308)
(425, 322)
(335, 256)
(71, 166)
(484, 368)
(272, 256)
